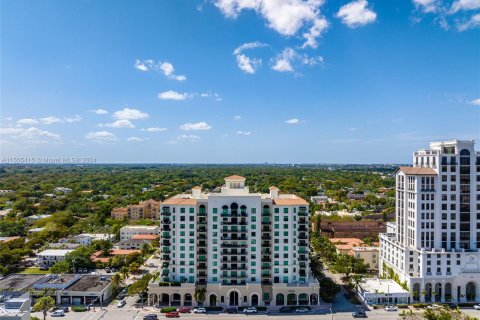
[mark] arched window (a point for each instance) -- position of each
(464, 152)
(280, 300)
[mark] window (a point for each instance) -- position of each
(285, 210)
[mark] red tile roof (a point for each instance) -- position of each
(417, 171)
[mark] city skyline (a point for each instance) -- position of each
(183, 81)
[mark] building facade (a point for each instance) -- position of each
(434, 245)
(243, 248)
(128, 232)
(149, 209)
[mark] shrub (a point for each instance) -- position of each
(168, 309)
(79, 309)
(402, 306)
(375, 306)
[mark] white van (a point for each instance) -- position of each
(58, 313)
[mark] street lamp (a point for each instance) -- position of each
(331, 311)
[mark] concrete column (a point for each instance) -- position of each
(442, 297)
(422, 288)
(434, 283)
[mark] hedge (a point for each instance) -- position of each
(79, 309)
(168, 309)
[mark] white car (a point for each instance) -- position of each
(58, 313)
(250, 310)
(121, 303)
(199, 310)
(476, 307)
(301, 310)
(433, 306)
(391, 308)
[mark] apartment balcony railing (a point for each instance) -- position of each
(166, 213)
(230, 268)
(234, 253)
(202, 266)
(232, 223)
(266, 282)
(233, 245)
(266, 222)
(233, 215)
(202, 251)
(243, 237)
(202, 229)
(266, 243)
(265, 213)
(165, 242)
(234, 259)
(234, 231)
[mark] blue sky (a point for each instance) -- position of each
(239, 81)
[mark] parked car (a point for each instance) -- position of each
(391, 308)
(183, 310)
(85, 270)
(173, 314)
(121, 303)
(285, 309)
(231, 310)
(301, 310)
(43, 268)
(359, 314)
(150, 316)
(58, 313)
(113, 270)
(476, 307)
(151, 264)
(108, 270)
(199, 310)
(453, 305)
(250, 310)
(434, 306)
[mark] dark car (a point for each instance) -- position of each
(231, 310)
(359, 314)
(183, 310)
(453, 305)
(150, 316)
(285, 309)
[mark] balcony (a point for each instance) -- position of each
(234, 231)
(233, 215)
(202, 251)
(302, 221)
(202, 213)
(266, 229)
(202, 266)
(166, 257)
(266, 237)
(234, 237)
(303, 243)
(266, 243)
(201, 274)
(302, 213)
(202, 243)
(165, 221)
(234, 253)
(302, 228)
(202, 221)
(166, 213)
(202, 237)
(302, 258)
(202, 229)
(166, 250)
(233, 245)
(266, 222)
(266, 259)
(265, 213)
(236, 267)
(234, 223)
(234, 259)
(166, 235)
(165, 242)
(266, 282)
(165, 228)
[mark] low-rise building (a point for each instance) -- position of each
(345, 245)
(36, 217)
(4, 213)
(97, 256)
(63, 190)
(382, 291)
(128, 232)
(35, 230)
(149, 209)
(4, 191)
(7, 239)
(16, 308)
(137, 241)
(368, 254)
(49, 257)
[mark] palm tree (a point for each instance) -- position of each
(199, 295)
(133, 267)
(117, 279)
(44, 304)
(125, 272)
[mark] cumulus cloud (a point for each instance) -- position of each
(164, 67)
(130, 114)
(101, 136)
(426, 6)
(465, 5)
(237, 118)
(122, 123)
(284, 61)
(27, 121)
(50, 120)
(475, 102)
(99, 111)
(356, 14)
(75, 118)
(154, 129)
(293, 121)
(172, 95)
(471, 23)
(246, 63)
(287, 17)
(195, 126)
(184, 137)
(31, 135)
(243, 133)
(135, 139)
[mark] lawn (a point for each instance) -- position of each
(34, 271)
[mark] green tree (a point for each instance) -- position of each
(60, 267)
(44, 304)
(124, 272)
(199, 295)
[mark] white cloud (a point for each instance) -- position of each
(164, 67)
(475, 102)
(75, 118)
(237, 118)
(195, 126)
(99, 111)
(187, 137)
(292, 121)
(101, 136)
(135, 139)
(50, 120)
(473, 22)
(465, 5)
(122, 123)
(287, 17)
(243, 133)
(172, 95)
(154, 129)
(27, 121)
(356, 14)
(426, 6)
(284, 61)
(130, 114)
(31, 135)
(245, 63)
